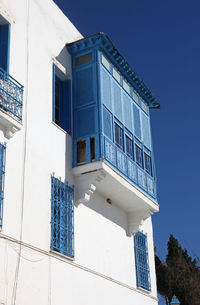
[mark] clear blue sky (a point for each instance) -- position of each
(160, 40)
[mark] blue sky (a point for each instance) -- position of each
(160, 40)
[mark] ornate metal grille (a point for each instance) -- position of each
(62, 217)
(141, 261)
(2, 177)
(11, 95)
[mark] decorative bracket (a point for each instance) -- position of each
(136, 219)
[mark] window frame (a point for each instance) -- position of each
(120, 145)
(138, 145)
(130, 137)
(148, 154)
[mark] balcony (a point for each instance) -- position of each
(11, 100)
(112, 144)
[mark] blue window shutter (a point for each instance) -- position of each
(4, 46)
(53, 93)
(137, 126)
(146, 130)
(67, 105)
(141, 261)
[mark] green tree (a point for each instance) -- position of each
(179, 275)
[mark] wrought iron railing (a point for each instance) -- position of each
(117, 159)
(11, 95)
(128, 167)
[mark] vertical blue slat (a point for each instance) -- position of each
(4, 46)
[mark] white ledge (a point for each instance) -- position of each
(101, 178)
(8, 124)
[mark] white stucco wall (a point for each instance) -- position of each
(103, 271)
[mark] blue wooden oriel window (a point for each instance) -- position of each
(2, 177)
(141, 261)
(62, 217)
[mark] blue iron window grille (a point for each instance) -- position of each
(138, 155)
(118, 136)
(2, 177)
(147, 163)
(141, 261)
(129, 147)
(62, 217)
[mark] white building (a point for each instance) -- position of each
(77, 173)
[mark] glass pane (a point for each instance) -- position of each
(106, 63)
(129, 147)
(138, 155)
(118, 136)
(83, 59)
(81, 151)
(147, 163)
(92, 149)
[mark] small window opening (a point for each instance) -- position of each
(147, 163)
(92, 149)
(84, 59)
(105, 62)
(118, 136)
(81, 151)
(138, 155)
(136, 97)
(129, 147)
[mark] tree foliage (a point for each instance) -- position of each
(179, 275)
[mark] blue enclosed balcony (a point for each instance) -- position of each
(111, 119)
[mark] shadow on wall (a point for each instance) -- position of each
(104, 207)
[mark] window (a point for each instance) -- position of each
(2, 177)
(62, 217)
(136, 97)
(105, 62)
(129, 147)
(118, 136)
(147, 164)
(144, 107)
(126, 87)
(138, 155)
(116, 75)
(84, 59)
(81, 151)
(141, 261)
(4, 45)
(61, 101)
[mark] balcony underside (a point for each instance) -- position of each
(100, 177)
